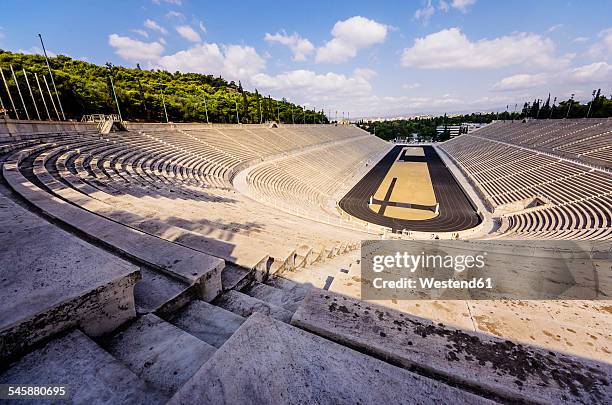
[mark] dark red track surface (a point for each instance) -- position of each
(456, 210)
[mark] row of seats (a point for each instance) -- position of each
(587, 140)
(309, 181)
(514, 163)
(175, 185)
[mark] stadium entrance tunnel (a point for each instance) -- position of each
(411, 189)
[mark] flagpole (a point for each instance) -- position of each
(52, 79)
(42, 95)
(51, 97)
(19, 92)
(9, 94)
(31, 94)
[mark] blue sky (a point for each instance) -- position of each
(384, 58)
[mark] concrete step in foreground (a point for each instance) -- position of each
(209, 323)
(236, 277)
(91, 374)
(160, 353)
(269, 362)
(53, 281)
(297, 289)
(245, 305)
(503, 368)
(288, 299)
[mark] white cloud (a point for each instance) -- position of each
(579, 40)
(202, 27)
(175, 14)
(554, 28)
(598, 72)
(443, 6)
(233, 62)
(410, 86)
(188, 33)
(315, 87)
(141, 32)
(520, 82)
(462, 5)
(135, 50)
(451, 49)
(152, 25)
(349, 36)
(427, 11)
(595, 72)
(603, 47)
(36, 50)
(173, 2)
(301, 47)
(365, 73)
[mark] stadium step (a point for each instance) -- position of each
(245, 305)
(90, 374)
(157, 291)
(53, 281)
(235, 277)
(209, 323)
(171, 258)
(158, 352)
(512, 371)
(287, 299)
(269, 362)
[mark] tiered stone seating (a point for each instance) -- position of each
(308, 181)
(586, 140)
(514, 162)
(175, 184)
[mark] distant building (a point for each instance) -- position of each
(456, 130)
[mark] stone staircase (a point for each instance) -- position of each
(278, 341)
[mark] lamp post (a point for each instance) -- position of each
(161, 90)
(552, 108)
(569, 107)
(206, 110)
(591, 105)
(110, 76)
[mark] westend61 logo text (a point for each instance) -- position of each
(410, 262)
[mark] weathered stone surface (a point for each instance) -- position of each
(245, 305)
(51, 281)
(156, 289)
(161, 354)
(184, 263)
(234, 276)
(288, 299)
(91, 374)
(502, 367)
(208, 322)
(269, 362)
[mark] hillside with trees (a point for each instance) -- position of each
(85, 88)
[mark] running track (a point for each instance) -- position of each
(456, 210)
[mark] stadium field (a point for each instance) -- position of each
(408, 203)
